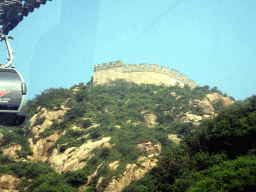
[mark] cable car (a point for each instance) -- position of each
(12, 92)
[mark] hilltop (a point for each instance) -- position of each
(142, 75)
(129, 137)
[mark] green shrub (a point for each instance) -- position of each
(76, 178)
(133, 188)
(90, 188)
(103, 170)
(11, 138)
(49, 98)
(73, 134)
(4, 160)
(95, 133)
(93, 161)
(39, 120)
(104, 118)
(78, 110)
(105, 152)
(87, 123)
(51, 182)
(233, 128)
(198, 110)
(82, 95)
(164, 118)
(63, 148)
(47, 132)
(37, 168)
(35, 139)
(204, 161)
(24, 152)
(163, 139)
(218, 105)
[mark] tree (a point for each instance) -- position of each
(214, 89)
(206, 87)
(76, 178)
(236, 175)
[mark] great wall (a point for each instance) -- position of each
(142, 75)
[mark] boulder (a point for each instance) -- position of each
(144, 111)
(150, 120)
(8, 183)
(75, 90)
(149, 149)
(174, 138)
(117, 126)
(107, 110)
(205, 104)
(173, 94)
(192, 117)
(214, 97)
(11, 150)
(113, 165)
(177, 97)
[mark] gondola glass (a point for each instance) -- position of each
(12, 90)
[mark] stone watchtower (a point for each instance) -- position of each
(143, 74)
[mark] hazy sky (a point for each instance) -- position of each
(211, 42)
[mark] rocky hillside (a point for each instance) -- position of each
(101, 138)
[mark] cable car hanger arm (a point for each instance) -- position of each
(9, 50)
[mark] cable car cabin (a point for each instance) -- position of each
(12, 91)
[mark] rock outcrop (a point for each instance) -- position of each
(11, 150)
(75, 90)
(134, 172)
(41, 147)
(148, 149)
(206, 104)
(113, 165)
(150, 120)
(46, 118)
(8, 183)
(72, 158)
(174, 138)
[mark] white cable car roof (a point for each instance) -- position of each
(13, 11)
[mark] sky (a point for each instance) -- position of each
(211, 42)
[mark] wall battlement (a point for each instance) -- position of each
(139, 74)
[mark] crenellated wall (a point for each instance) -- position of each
(142, 74)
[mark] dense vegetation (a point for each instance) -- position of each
(199, 163)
